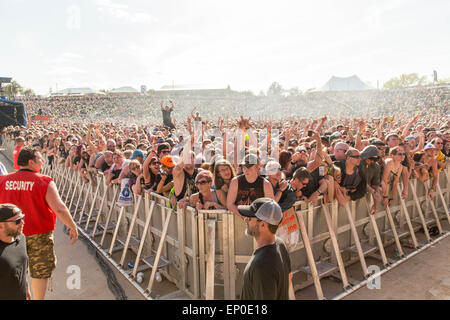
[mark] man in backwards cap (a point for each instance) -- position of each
(266, 276)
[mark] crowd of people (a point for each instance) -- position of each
(242, 159)
(144, 108)
(231, 162)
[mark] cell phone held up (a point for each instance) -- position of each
(310, 133)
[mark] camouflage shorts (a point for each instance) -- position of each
(41, 255)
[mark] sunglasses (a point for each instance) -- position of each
(202, 182)
(400, 154)
(165, 151)
(156, 163)
(17, 221)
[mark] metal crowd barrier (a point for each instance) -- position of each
(204, 253)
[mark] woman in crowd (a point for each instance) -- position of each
(136, 179)
(427, 166)
(392, 171)
(113, 173)
(206, 198)
(151, 168)
(223, 173)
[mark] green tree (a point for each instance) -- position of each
(28, 92)
(13, 89)
(294, 92)
(275, 89)
(405, 80)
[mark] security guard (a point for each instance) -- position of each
(38, 197)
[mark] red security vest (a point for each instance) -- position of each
(27, 189)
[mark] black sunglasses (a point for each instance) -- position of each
(17, 221)
(203, 182)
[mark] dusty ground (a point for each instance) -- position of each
(426, 276)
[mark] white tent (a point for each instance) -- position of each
(352, 83)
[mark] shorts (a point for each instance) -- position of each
(41, 255)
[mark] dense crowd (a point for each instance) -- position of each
(233, 161)
(138, 108)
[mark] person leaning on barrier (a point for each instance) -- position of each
(427, 166)
(318, 181)
(150, 170)
(268, 273)
(207, 198)
(353, 184)
(38, 198)
(164, 178)
(442, 160)
(248, 186)
(184, 177)
(284, 194)
(392, 171)
(114, 172)
(299, 180)
(13, 254)
(105, 161)
(223, 174)
(372, 171)
(136, 177)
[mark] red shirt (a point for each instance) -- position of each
(15, 156)
(27, 190)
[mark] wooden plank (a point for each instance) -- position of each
(356, 241)
(160, 249)
(130, 229)
(144, 236)
(310, 257)
(210, 258)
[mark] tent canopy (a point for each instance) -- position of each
(352, 83)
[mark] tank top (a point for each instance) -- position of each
(248, 192)
(200, 197)
(189, 187)
(27, 190)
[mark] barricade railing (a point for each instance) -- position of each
(204, 252)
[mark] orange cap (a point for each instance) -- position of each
(167, 161)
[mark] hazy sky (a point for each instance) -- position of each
(247, 44)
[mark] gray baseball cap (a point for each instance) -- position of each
(264, 209)
(370, 151)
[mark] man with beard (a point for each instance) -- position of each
(267, 274)
(13, 254)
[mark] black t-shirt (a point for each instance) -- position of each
(266, 276)
(13, 269)
(105, 166)
(249, 192)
